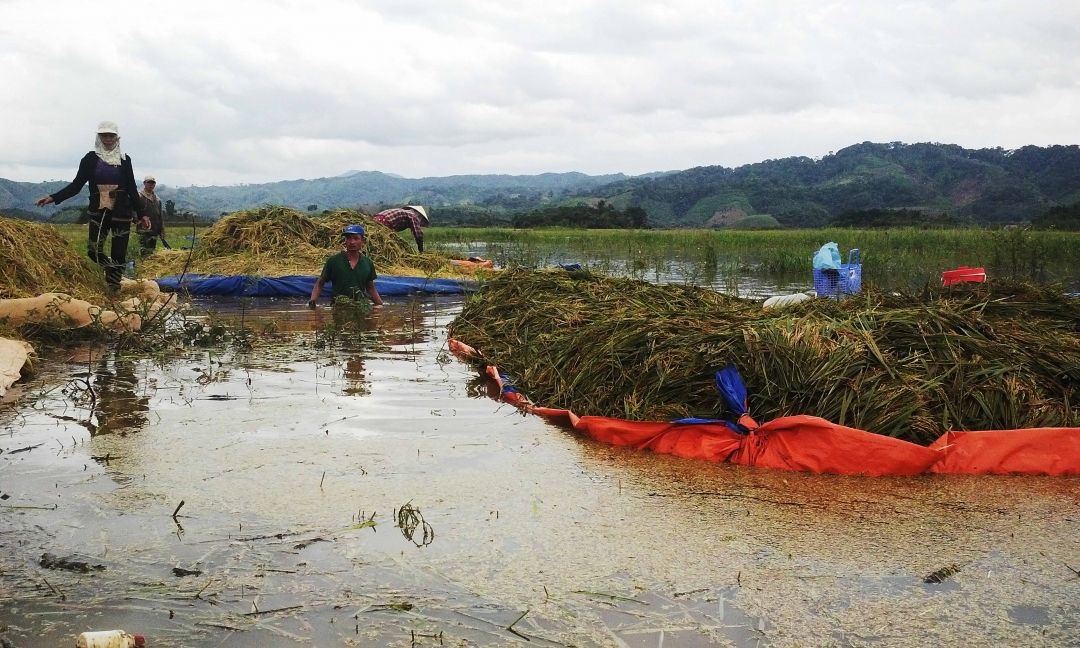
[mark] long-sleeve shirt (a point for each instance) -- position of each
(88, 174)
(400, 219)
(152, 207)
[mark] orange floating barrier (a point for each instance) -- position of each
(812, 444)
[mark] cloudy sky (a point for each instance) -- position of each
(237, 91)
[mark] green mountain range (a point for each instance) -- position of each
(983, 186)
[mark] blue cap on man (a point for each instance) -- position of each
(355, 229)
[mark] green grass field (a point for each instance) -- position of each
(175, 235)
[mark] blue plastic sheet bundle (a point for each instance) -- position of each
(301, 286)
(731, 387)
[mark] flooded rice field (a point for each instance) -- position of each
(728, 275)
(361, 488)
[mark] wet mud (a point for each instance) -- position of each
(361, 488)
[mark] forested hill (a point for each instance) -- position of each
(988, 186)
(348, 190)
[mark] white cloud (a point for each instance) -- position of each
(251, 90)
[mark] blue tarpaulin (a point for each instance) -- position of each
(301, 286)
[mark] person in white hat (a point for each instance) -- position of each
(399, 219)
(113, 198)
(148, 236)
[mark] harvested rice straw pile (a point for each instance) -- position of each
(913, 367)
(35, 259)
(279, 241)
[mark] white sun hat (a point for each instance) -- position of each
(108, 127)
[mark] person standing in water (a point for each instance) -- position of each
(350, 272)
(113, 198)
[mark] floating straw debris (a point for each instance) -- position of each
(972, 357)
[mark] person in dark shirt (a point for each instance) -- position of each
(350, 272)
(148, 238)
(113, 198)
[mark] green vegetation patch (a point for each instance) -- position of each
(756, 222)
(602, 216)
(706, 209)
(1062, 217)
(886, 218)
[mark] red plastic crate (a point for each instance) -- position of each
(962, 274)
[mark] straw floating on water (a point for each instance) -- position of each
(908, 366)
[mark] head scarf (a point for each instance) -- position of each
(115, 156)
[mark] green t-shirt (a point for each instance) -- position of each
(347, 281)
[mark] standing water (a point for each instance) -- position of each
(337, 488)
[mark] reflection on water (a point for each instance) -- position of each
(120, 407)
(356, 383)
(283, 453)
(110, 398)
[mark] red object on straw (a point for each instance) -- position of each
(962, 274)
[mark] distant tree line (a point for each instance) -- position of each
(1062, 217)
(602, 216)
(887, 218)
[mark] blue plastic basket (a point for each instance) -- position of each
(846, 281)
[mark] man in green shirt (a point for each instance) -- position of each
(350, 272)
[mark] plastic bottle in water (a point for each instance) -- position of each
(109, 639)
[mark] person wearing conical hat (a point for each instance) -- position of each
(399, 219)
(113, 197)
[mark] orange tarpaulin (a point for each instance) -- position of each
(1032, 451)
(812, 444)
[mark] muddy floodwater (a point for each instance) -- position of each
(363, 489)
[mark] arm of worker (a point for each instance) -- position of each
(86, 166)
(315, 292)
(138, 204)
(417, 231)
(373, 292)
(144, 220)
(161, 235)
